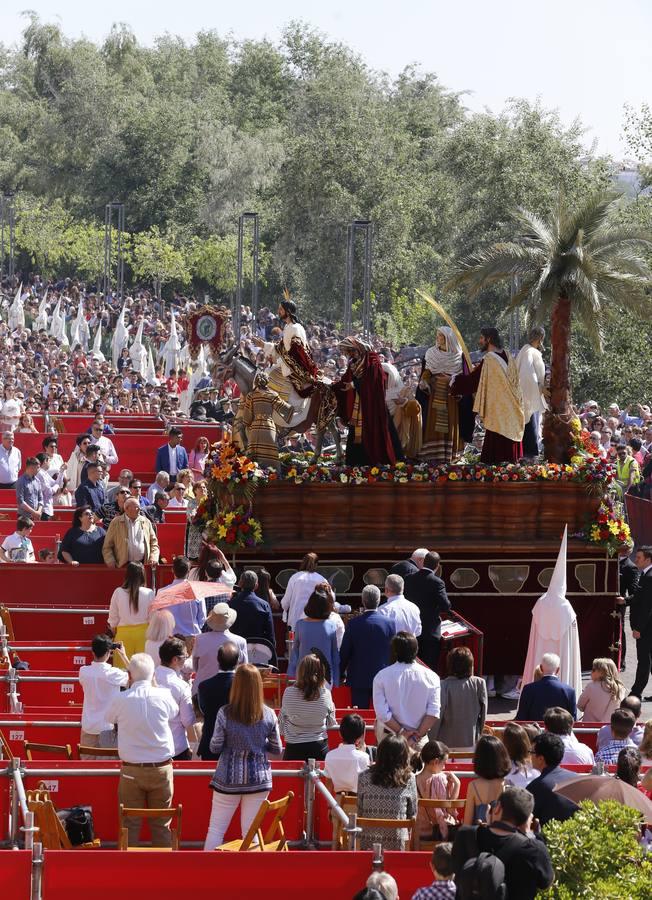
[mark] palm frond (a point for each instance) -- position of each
(541, 231)
(496, 263)
(613, 236)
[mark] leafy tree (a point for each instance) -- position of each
(596, 854)
(42, 232)
(213, 261)
(156, 256)
(580, 263)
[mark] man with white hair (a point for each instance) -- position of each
(548, 691)
(410, 566)
(403, 614)
(145, 747)
(365, 648)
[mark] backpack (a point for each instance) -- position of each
(483, 875)
(78, 823)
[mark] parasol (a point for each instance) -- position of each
(605, 787)
(186, 591)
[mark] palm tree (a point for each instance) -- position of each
(581, 263)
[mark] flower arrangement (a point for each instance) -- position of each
(235, 529)
(588, 470)
(610, 531)
(233, 476)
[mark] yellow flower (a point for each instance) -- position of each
(229, 517)
(221, 531)
(452, 476)
(292, 473)
(375, 470)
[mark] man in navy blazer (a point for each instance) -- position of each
(254, 614)
(213, 694)
(365, 648)
(538, 696)
(172, 457)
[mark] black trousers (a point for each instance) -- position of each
(304, 752)
(429, 651)
(530, 445)
(361, 697)
(623, 635)
(185, 754)
(644, 666)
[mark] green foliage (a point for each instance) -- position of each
(213, 260)
(42, 232)
(596, 854)
(157, 257)
(409, 320)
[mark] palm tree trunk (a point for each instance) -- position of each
(557, 433)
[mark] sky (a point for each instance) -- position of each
(586, 58)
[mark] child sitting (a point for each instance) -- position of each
(433, 783)
(443, 887)
(344, 764)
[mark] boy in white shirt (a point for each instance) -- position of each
(17, 547)
(101, 683)
(344, 764)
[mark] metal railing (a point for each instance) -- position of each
(18, 809)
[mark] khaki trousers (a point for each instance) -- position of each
(104, 739)
(151, 787)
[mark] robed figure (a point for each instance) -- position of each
(257, 415)
(444, 432)
(360, 394)
(554, 628)
(295, 375)
(495, 383)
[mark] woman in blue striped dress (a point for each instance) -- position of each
(246, 731)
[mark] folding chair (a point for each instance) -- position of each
(5, 618)
(63, 749)
(425, 803)
(349, 803)
(52, 834)
(5, 748)
(460, 754)
(274, 839)
(107, 752)
(390, 825)
(173, 812)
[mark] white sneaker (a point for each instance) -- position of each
(514, 694)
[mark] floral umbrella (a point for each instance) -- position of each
(186, 591)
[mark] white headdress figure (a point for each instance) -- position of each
(554, 628)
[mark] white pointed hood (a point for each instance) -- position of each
(172, 347)
(97, 343)
(55, 320)
(554, 628)
(120, 338)
(137, 351)
(41, 321)
(17, 311)
(80, 332)
(150, 372)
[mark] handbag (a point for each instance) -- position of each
(78, 822)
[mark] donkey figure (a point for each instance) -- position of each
(233, 365)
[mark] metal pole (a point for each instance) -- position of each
(366, 294)
(37, 870)
(2, 236)
(254, 286)
(378, 862)
(12, 225)
(107, 250)
(352, 830)
(309, 802)
(348, 288)
(237, 311)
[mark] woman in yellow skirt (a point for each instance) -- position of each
(129, 610)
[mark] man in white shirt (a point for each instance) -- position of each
(560, 722)
(12, 410)
(10, 461)
(172, 654)
(177, 499)
(402, 612)
(300, 587)
(107, 448)
(532, 378)
(160, 485)
(101, 683)
(146, 748)
(343, 764)
(406, 695)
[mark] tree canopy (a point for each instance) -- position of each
(190, 134)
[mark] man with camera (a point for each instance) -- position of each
(101, 683)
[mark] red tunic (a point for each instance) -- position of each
(376, 440)
(496, 448)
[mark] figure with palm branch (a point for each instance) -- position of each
(498, 401)
(581, 263)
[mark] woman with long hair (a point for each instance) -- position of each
(129, 609)
(603, 693)
(646, 744)
(317, 631)
(220, 567)
(161, 627)
(82, 543)
(517, 744)
(246, 731)
(307, 711)
(388, 790)
(26, 424)
(198, 456)
(265, 590)
(628, 767)
(434, 783)
(491, 765)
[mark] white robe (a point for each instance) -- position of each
(554, 628)
(532, 377)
